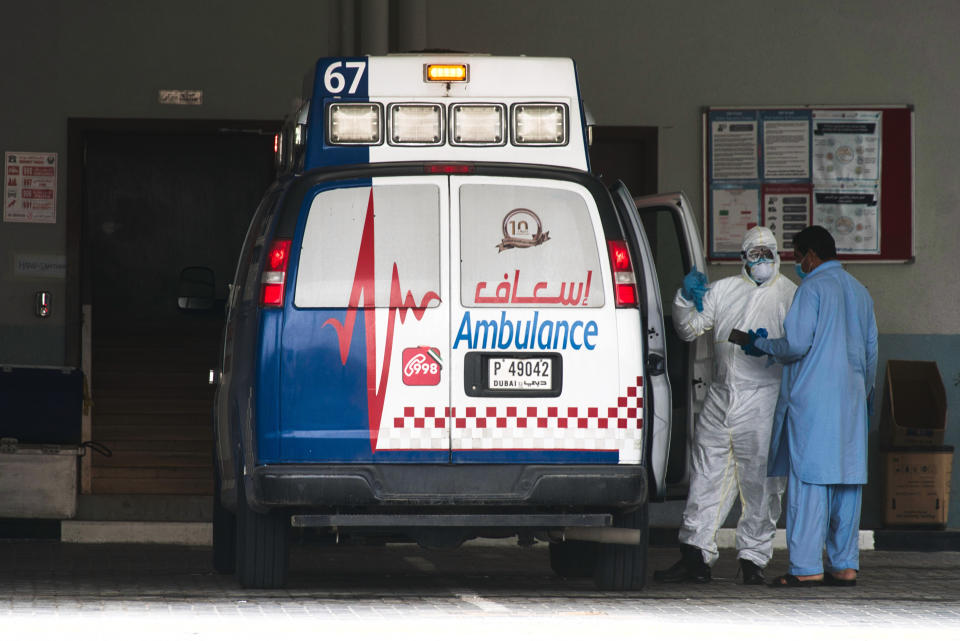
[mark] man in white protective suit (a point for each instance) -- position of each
(729, 453)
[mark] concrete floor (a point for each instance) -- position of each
(106, 591)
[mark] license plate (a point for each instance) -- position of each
(520, 374)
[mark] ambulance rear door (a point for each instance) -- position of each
(657, 446)
(366, 334)
(675, 244)
(545, 367)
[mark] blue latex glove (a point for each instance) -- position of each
(751, 348)
(694, 287)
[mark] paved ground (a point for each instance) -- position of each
(50, 589)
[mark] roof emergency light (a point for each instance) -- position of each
(416, 124)
(355, 123)
(446, 73)
(540, 124)
(477, 125)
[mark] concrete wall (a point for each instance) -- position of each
(641, 62)
(108, 59)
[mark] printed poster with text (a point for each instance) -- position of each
(30, 193)
(734, 169)
(846, 178)
(735, 210)
(786, 145)
(846, 146)
(733, 150)
(852, 216)
(787, 209)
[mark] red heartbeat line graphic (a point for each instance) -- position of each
(364, 285)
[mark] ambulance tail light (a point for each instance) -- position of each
(540, 124)
(274, 279)
(624, 279)
(446, 73)
(416, 124)
(355, 123)
(477, 125)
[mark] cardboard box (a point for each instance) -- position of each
(918, 487)
(38, 481)
(914, 409)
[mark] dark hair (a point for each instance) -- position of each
(818, 239)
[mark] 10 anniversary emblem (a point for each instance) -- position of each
(522, 228)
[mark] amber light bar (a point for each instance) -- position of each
(445, 73)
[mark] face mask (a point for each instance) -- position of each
(799, 267)
(761, 272)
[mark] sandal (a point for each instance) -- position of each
(790, 581)
(829, 579)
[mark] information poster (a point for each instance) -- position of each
(30, 193)
(736, 210)
(851, 216)
(786, 210)
(734, 146)
(786, 145)
(846, 146)
(791, 168)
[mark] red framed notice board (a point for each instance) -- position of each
(849, 169)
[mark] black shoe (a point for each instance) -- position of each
(689, 569)
(752, 573)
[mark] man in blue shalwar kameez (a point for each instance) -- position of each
(819, 439)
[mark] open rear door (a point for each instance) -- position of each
(656, 439)
(674, 241)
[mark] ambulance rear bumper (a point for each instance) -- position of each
(614, 487)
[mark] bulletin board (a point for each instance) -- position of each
(848, 169)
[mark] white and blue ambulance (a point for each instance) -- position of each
(442, 326)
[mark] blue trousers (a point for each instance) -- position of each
(819, 515)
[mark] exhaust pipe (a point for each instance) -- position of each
(617, 535)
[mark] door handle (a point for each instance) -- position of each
(656, 365)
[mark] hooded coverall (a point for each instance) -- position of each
(729, 453)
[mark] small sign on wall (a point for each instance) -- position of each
(180, 96)
(40, 266)
(30, 187)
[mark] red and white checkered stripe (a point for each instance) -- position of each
(614, 426)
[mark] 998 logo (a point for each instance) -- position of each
(421, 366)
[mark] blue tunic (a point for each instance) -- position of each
(830, 355)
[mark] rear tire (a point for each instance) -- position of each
(263, 548)
(573, 559)
(224, 531)
(624, 567)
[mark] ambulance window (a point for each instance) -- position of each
(664, 235)
(389, 234)
(524, 246)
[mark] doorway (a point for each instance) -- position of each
(156, 197)
(628, 154)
